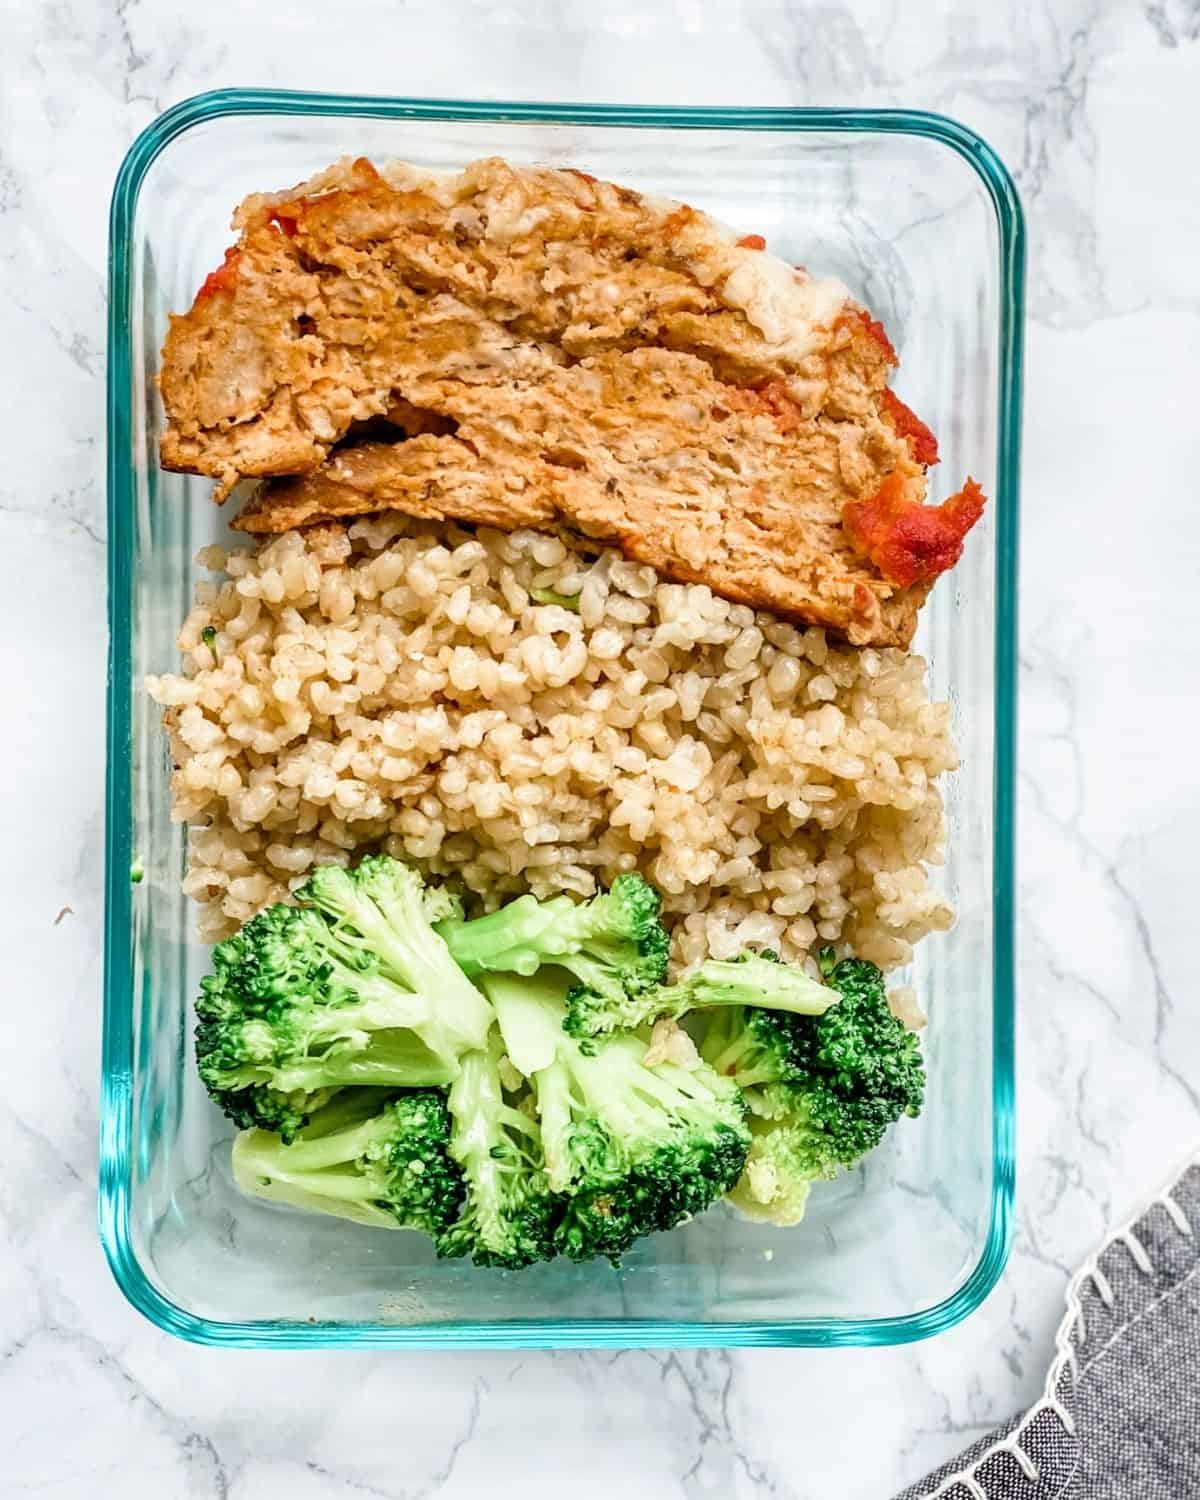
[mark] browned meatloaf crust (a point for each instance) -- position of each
(551, 350)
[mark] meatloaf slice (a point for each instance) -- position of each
(560, 351)
(649, 451)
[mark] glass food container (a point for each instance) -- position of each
(920, 219)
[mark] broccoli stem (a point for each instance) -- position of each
(553, 1086)
(613, 943)
(482, 1146)
(729, 1064)
(383, 1007)
(306, 1155)
(732, 1050)
(380, 917)
(517, 938)
(256, 1173)
(634, 1100)
(530, 1012)
(301, 1173)
(750, 980)
(391, 1060)
(371, 1155)
(510, 938)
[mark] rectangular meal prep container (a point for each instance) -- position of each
(920, 219)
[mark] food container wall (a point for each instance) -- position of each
(920, 221)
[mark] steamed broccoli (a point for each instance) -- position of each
(352, 987)
(749, 979)
(636, 1149)
(824, 1089)
(510, 1212)
(779, 1174)
(614, 944)
(370, 1156)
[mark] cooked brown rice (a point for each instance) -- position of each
(395, 686)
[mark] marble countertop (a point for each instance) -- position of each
(1094, 106)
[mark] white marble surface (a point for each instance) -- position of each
(1096, 106)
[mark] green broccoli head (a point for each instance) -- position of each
(751, 979)
(370, 1156)
(624, 1192)
(865, 1069)
(259, 1105)
(245, 1025)
(824, 1089)
(634, 1148)
(614, 943)
(779, 1172)
(353, 987)
(510, 1211)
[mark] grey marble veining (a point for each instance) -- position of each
(1095, 105)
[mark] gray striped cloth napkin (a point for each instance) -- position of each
(1119, 1417)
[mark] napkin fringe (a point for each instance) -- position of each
(1064, 1368)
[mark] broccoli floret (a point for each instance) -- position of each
(380, 917)
(866, 1068)
(756, 1048)
(750, 979)
(260, 1105)
(510, 1213)
(353, 987)
(614, 944)
(779, 1174)
(823, 1089)
(370, 1156)
(636, 1149)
